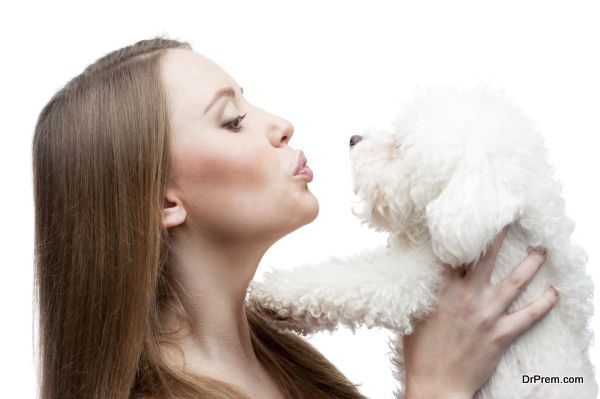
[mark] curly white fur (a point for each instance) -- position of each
(457, 166)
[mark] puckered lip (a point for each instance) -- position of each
(301, 162)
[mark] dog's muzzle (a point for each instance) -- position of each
(355, 139)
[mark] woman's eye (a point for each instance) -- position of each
(234, 124)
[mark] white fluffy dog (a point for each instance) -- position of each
(457, 167)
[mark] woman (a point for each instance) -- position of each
(158, 188)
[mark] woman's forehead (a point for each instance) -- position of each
(189, 76)
(191, 79)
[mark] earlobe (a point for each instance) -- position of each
(172, 214)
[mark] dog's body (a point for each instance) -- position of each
(457, 168)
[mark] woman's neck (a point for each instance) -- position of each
(210, 278)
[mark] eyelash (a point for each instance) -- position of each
(235, 123)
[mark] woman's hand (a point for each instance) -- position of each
(453, 352)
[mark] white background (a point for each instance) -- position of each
(332, 69)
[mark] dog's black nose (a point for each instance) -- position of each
(355, 139)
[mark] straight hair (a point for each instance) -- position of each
(101, 161)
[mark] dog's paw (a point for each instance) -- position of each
(268, 307)
(275, 311)
(303, 315)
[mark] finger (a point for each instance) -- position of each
(452, 272)
(494, 247)
(483, 267)
(511, 287)
(514, 324)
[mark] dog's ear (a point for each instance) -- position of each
(478, 201)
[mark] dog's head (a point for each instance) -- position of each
(455, 168)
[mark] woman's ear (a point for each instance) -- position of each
(478, 201)
(173, 213)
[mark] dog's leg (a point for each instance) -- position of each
(381, 287)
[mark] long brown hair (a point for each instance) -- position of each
(100, 167)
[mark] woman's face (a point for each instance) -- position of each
(233, 180)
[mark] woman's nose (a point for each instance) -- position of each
(355, 139)
(281, 132)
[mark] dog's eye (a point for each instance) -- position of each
(395, 146)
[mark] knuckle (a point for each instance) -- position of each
(533, 314)
(487, 320)
(517, 281)
(502, 338)
(504, 289)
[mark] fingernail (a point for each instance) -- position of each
(539, 249)
(555, 291)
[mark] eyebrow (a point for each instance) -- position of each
(226, 91)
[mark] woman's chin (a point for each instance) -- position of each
(309, 206)
(304, 212)
(314, 211)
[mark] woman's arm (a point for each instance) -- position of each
(455, 349)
